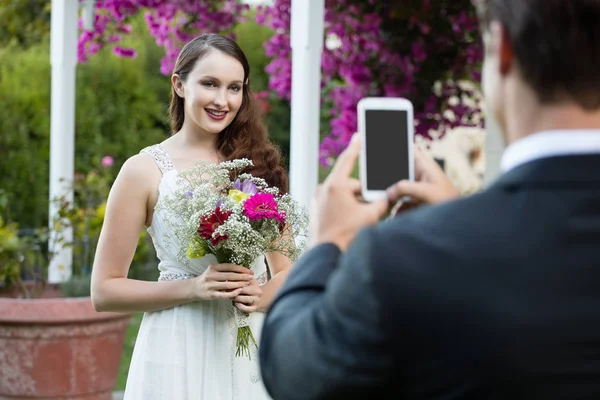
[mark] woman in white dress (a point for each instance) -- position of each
(186, 344)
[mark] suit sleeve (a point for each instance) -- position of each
(322, 337)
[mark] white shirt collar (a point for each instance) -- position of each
(550, 144)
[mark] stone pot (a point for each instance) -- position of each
(59, 348)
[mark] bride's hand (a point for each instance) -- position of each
(222, 281)
(247, 301)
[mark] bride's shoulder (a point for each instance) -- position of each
(140, 169)
(141, 163)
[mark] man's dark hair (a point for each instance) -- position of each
(556, 44)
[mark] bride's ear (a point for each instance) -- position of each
(178, 85)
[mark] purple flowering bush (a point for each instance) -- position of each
(418, 49)
(171, 22)
(423, 50)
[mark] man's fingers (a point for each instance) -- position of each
(418, 190)
(354, 186)
(379, 207)
(347, 160)
(425, 164)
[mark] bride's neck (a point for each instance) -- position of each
(195, 139)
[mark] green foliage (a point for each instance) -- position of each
(24, 22)
(121, 108)
(20, 257)
(10, 268)
(85, 216)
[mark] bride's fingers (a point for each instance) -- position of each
(245, 308)
(245, 299)
(227, 285)
(226, 295)
(231, 268)
(232, 276)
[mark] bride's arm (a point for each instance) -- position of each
(124, 220)
(280, 267)
(130, 197)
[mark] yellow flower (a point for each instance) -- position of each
(237, 195)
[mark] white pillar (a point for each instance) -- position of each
(494, 147)
(63, 59)
(307, 46)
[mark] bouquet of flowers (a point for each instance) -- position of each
(237, 218)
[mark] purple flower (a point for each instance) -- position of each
(124, 52)
(247, 186)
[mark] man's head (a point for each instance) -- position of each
(540, 53)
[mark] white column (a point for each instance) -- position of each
(63, 59)
(307, 46)
(494, 147)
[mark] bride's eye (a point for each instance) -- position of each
(209, 84)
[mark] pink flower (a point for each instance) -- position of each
(107, 161)
(262, 206)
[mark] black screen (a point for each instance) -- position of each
(386, 134)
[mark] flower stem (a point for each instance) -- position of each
(244, 337)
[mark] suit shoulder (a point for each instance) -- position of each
(456, 217)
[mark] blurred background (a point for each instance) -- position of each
(426, 50)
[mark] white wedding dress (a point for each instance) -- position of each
(188, 352)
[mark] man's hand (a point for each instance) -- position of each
(431, 184)
(338, 212)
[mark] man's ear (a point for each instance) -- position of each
(503, 46)
(177, 85)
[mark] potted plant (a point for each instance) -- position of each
(52, 342)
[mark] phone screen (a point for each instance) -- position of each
(387, 158)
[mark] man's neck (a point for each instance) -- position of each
(550, 118)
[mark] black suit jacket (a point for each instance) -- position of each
(495, 296)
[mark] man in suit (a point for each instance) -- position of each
(494, 296)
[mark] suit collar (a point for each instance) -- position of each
(551, 144)
(564, 170)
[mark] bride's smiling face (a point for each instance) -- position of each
(212, 92)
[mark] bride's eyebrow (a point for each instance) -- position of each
(212, 78)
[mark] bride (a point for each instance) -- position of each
(186, 344)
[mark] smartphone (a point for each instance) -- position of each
(386, 128)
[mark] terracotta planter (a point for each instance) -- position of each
(36, 290)
(59, 348)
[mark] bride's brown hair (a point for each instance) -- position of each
(246, 136)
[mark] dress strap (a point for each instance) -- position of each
(160, 156)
